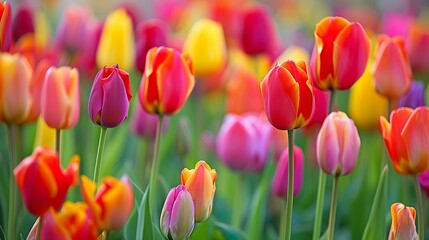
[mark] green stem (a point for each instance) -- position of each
(333, 209)
(141, 162)
(99, 157)
(155, 164)
(285, 231)
(12, 186)
(331, 100)
(39, 228)
(238, 203)
(421, 225)
(58, 142)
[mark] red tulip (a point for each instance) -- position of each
(5, 26)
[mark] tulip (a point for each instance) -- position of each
(144, 124)
(23, 21)
(392, 69)
(419, 48)
(281, 176)
(167, 82)
(321, 105)
(338, 145)
(74, 221)
(415, 97)
(424, 182)
(45, 135)
(293, 53)
(110, 97)
(406, 139)
(87, 59)
(177, 216)
(243, 93)
(5, 26)
(116, 44)
(152, 33)
(113, 202)
(288, 95)
(242, 143)
(340, 53)
(206, 45)
(15, 88)
(200, 182)
(60, 97)
(42, 182)
(72, 29)
(403, 225)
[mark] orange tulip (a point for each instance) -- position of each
(407, 139)
(200, 183)
(113, 202)
(288, 95)
(403, 225)
(340, 53)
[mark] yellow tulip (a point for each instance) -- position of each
(45, 135)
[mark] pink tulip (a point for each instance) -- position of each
(23, 21)
(403, 222)
(280, 181)
(144, 124)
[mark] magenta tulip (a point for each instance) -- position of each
(281, 176)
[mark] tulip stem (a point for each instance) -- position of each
(421, 229)
(39, 228)
(12, 186)
(331, 101)
(286, 221)
(58, 142)
(333, 209)
(155, 164)
(238, 203)
(99, 157)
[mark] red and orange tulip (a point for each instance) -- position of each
(5, 26)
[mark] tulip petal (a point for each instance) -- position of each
(182, 216)
(398, 119)
(328, 148)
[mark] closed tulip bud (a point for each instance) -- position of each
(149, 34)
(338, 145)
(419, 48)
(113, 202)
(15, 91)
(144, 124)
(23, 21)
(340, 53)
(206, 45)
(110, 97)
(42, 182)
(288, 95)
(424, 182)
(87, 59)
(242, 143)
(200, 182)
(72, 29)
(167, 82)
(60, 97)
(116, 44)
(403, 222)
(74, 221)
(406, 139)
(177, 216)
(391, 54)
(5, 26)
(321, 105)
(280, 181)
(415, 97)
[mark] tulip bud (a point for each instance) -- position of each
(403, 222)
(5, 26)
(177, 216)
(200, 182)
(338, 145)
(23, 21)
(72, 29)
(280, 181)
(144, 124)
(321, 105)
(110, 97)
(415, 97)
(419, 48)
(42, 182)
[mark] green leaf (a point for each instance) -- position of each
(230, 232)
(144, 223)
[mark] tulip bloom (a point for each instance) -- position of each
(392, 69)
(200, 182)
(177, 215)
(419, 48)
(15, 92)
(206, 45)
(280, 181)
(242, 143)
(113, 202)
(424, 182)
(288, 95)
(321, 105)
(116, 44)
(110, 97)
(403, 222)
(406, 138)
(42, 182)
(415, 97)
(23, 21)
(340, 53)
(74, 221)
(338, 145)
(72, 28)
(5, 26)
(167, 82)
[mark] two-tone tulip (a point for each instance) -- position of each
(340, 53)
(280, 181)
(200, 183)
(338, 145)
(113, 202)
(177, 215)
(42, 182)
(110, 97)
(415, 97)
(403, 222)
(406, 139)
(116, 44)
(5, 26)
(60, 106)
(392, 69)
(288, 95)
(167, 81)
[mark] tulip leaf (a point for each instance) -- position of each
(229, 231)
(144, 223)
(131, 225)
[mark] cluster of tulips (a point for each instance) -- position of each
(230, 58)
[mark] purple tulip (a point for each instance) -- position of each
(144, 124)
(23, 22)
(281, 176)
(424, 182)
(415, 97)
